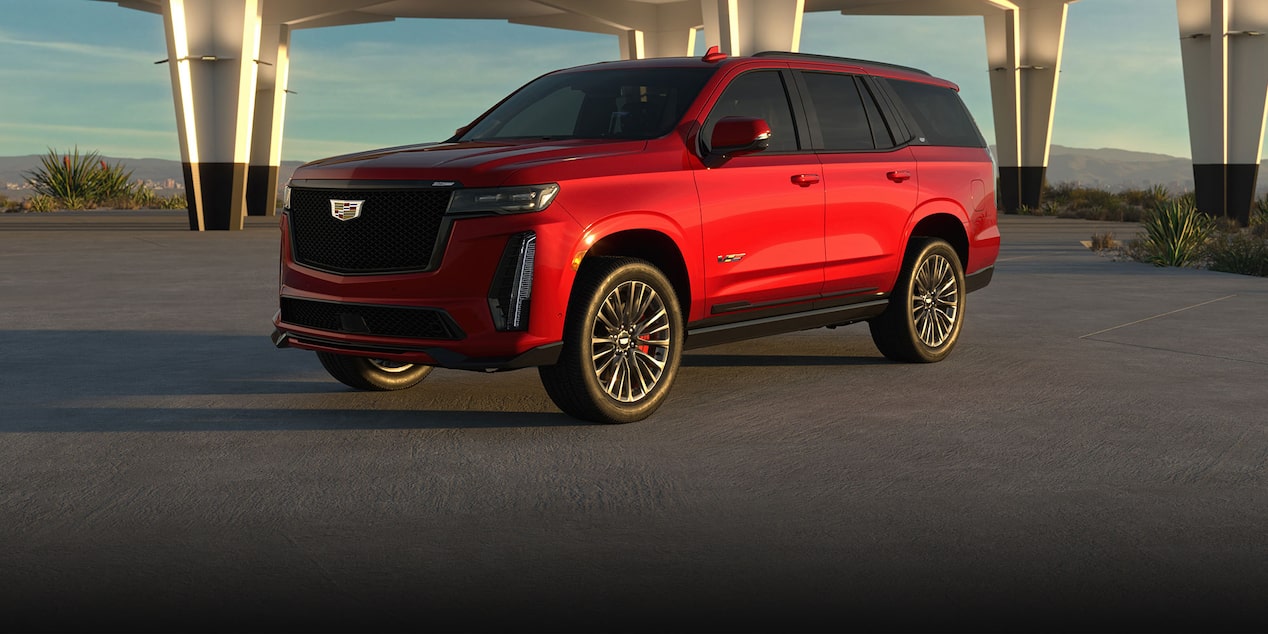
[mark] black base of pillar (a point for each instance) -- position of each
(1226, 190)
(1020, 186)
(221, 188)
(262, 190)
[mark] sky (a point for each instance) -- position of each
(81, 73)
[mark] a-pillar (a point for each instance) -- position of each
(212, 48)
(270, 109)
(1023, 48)
(1223, 47)
(744, 27)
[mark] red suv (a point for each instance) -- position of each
(604, 218)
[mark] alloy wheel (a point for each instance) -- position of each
(935, 301)
(630, 341)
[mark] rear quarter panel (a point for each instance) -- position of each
(960, 181)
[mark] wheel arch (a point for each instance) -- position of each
(657, 248)
(945, 224)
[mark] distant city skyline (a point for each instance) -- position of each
(79, 73)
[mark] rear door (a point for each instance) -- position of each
(870, 182)
(762, 213)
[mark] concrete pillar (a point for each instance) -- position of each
(744, 27)
(270, 110)
(644, 30)
(212, 48)
(1026, 85)
(1223, 47)
(638, 44)
(1001, 56)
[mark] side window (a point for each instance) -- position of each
(758, 94)
(840, 111)
(882, 135)
(942, 117)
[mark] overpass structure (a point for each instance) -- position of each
(229, 61)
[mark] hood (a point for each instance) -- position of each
(471, 163)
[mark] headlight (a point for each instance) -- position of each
(286, 197)
(503, 200)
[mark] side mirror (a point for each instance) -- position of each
(737, 136)
(461, 131)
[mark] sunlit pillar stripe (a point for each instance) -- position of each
(175, 23)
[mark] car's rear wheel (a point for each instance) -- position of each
(623, 338)
(926, 309)
(379, 375)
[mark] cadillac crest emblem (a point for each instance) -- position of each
(346, 209)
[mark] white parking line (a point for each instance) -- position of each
(1138, 321)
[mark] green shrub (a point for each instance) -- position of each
(84, 181)
(1148, 198)
(1176, 234)
(72, 178)
(41, 203)
(1103, 241)
(1237, 250)
(1259, 211)
(175, 201)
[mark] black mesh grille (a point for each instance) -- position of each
(398, 230)
(387, 321)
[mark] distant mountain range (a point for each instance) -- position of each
(1105, 168)
(1115, 170)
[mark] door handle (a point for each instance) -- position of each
(898, 176)
(805, 180)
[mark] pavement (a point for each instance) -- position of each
(1092, 457)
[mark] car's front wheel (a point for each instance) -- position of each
(623, 338)
(378, 375)
(926, 309)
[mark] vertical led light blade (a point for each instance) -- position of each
(522, 287)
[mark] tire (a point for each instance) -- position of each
(623, 338)
(926, 309)
(375, 375)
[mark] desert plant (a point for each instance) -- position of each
(1259, 211)
(175, 201)
(1238, 251)
(1147, 198)
(84, 181)
(1104, 242)
(41, 203)
(72, 178)
(114, 183)
(1175, 234)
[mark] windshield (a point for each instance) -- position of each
(642, 103)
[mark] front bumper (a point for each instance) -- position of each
(546, 354)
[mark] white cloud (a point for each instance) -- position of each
(79, 49)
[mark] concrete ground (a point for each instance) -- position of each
(1092, 457)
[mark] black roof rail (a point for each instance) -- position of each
(848, 60)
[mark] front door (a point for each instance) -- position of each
(762, 214)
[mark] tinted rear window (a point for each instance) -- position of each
(941, 116)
